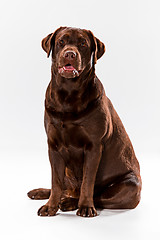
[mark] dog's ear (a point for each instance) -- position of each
(48, 42)
(98, 47)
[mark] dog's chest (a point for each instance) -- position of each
(64, 134)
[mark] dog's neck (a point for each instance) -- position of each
(73, 95)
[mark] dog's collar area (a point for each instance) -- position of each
(64, 116)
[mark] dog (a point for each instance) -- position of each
(93, 163)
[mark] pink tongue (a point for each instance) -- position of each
(69, 67)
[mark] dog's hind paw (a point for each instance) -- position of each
(38, 194)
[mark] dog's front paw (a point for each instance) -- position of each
(47, 210)
(87, 212)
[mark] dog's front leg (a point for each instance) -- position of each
(91, 162)
(57, 170)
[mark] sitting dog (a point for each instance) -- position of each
(93, 163)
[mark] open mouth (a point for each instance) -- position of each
(69, 69)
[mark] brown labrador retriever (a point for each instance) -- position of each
(92, 159)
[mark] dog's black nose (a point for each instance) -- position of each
(70, 55)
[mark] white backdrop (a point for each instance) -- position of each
(129, 71)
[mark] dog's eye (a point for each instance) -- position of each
(61, 42)
(83, 43)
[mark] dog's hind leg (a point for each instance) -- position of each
(69, 204)
(39, 193)
(125, 194)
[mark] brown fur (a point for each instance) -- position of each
(92, 159)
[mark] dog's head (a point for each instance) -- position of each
(73, 49)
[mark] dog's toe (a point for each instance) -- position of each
(38, 194)
(46, 210)
(87, 212)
